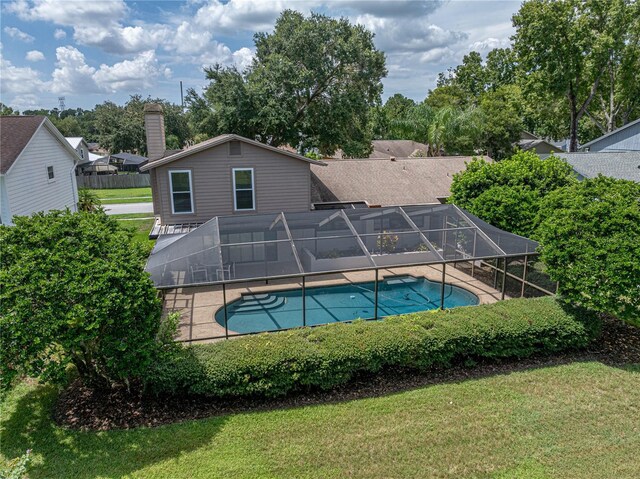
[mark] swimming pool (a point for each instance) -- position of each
(329, 304)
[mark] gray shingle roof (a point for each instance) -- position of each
(622, 165)
(385, 182)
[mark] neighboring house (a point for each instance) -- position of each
(398, 149)
(97, 165)
(621, 165)
(81, 147)
(37, 167)
(392, 149)
(226, 175)
(625, 138)
(127, 162)
(386, 182)
(542, 148)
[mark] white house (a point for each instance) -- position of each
(81, 147)
(37, 168)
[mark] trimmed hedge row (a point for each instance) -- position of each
(327, 356)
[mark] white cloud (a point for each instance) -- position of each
(18, 34)
(489, 44)
(73, 75)
(69, 13)
(26, 102)
(34, 56)
(242, 58)
(130, 75)
(248, 15)
(19, 80)
(390, 9)
(59, 34)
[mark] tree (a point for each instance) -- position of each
(502, 120)
(563, 48)
(311, 85)
(500, 68)
(470, 76)
(121, 128)
(7, 110)
(508, 193)
(74, 291)
(590, 242)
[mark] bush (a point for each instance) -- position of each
(88, 201)
(327, 356)
(590, 242)
(507, 194)
(74, 290)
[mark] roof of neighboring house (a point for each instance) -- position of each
(74, 141)
(614, 132)
(15, 134)
(622, 165)
(130, 158)
(397, 148)
(219, 140)
(386, 182)
(526, 145)
(525, 135)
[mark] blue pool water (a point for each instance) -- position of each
(329, 304)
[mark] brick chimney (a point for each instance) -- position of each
(154, 129)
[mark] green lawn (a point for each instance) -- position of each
(573, 421)
(141, 227)
(124, 195)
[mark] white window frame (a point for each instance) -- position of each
(53, 170)
(235, 189)
(173, 209)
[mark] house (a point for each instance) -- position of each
(81, 146)
(392, 149)
(542, 148)
(625, 138)
(37, 167)
(127, 162)
(226, 175)
(621, 165)
(385, 182)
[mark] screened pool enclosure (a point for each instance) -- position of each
(232, 249)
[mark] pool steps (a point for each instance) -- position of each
(266, 303)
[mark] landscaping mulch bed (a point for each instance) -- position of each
(79, 407)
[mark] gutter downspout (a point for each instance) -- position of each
(72, 173)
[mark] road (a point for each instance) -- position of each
(128, 208)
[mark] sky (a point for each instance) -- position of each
(91, 51)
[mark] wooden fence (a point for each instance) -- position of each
(102, 182)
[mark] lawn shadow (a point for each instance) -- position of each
(60, 452)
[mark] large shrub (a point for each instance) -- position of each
(590, 242)
(74, 290)
(327, 356)
(507, 194)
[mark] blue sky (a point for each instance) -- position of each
(92, 51)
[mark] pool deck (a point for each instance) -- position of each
(197, 306)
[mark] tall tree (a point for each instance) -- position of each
(563, 49)
(311, 85)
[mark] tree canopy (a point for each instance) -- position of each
(311, 85)
(508, 193)
(590, 242)
(74, 291)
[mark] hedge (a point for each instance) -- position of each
(323, 357)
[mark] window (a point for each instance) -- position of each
(181, 193)
(235, 148)
(243, 192)
(50, 174)
(81, 153)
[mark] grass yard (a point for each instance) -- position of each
(124, 195)
(572, 421)
(140, 223)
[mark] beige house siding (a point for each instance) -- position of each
(281, 183)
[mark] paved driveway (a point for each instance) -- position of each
(127, 208)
